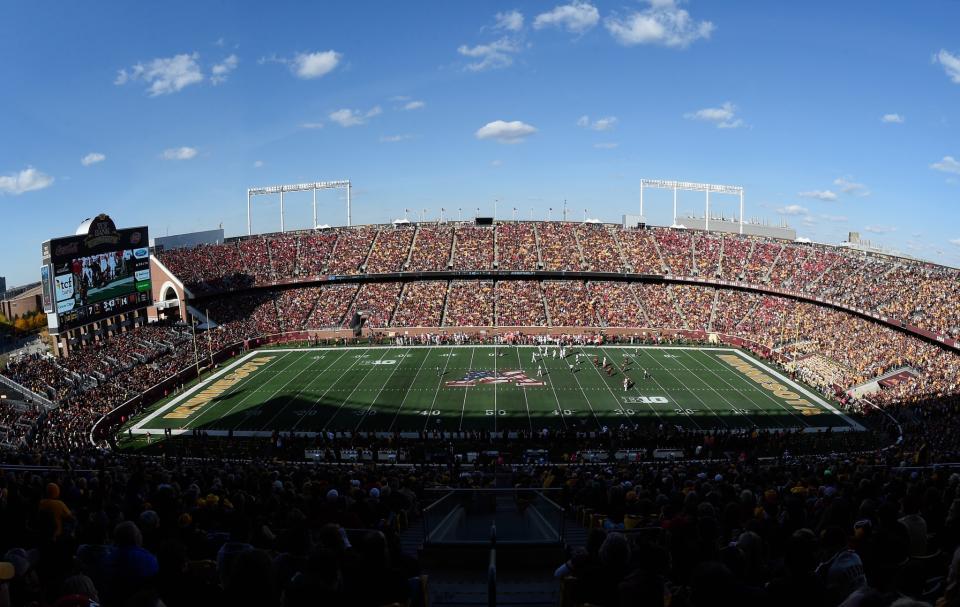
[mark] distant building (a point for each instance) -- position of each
(189, 240)
(22, 300)
(3, 284)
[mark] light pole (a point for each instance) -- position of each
(549, 213)
(514, 213)
(460, 214)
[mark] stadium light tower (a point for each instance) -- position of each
(298, 187)
(693, 187)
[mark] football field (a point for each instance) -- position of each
(496, 388)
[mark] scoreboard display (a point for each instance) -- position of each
(98, 274)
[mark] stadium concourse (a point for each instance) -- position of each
(742, 514)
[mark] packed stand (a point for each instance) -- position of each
(331, 306)
(676, 246)
(658, 303)
(569, 303)
(641, 251)
(516, 246)
(470, 304)
(520, 304)
(351, 250)
(696, 305)
(616, 305)
(315, 251)
(421, 304)
(390, 250)
(283, 256)
(707, 248)
(600, 250)
(558, 247)
(294, 306)
(377, 299)
(473, 248)
(431, 248)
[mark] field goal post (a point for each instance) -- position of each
(298, 187)
(689, 186)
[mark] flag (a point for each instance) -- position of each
(474, 378)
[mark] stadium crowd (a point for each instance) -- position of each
(912, 291)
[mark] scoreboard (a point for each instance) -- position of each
(97, 273)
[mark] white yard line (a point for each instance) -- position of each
(437, 391)
(753, 389)
(526, 401)
(796, 386)
(357, 385)
(466, 390)
(712, 389)
(379, 392)
(186, 394)
(266, 427)
(408, 391)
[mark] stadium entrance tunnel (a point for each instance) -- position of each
(524, 525)
(168, 306)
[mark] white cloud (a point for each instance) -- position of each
(608, 145)
(950, 63)
(505, 132)
(315, 65)
(851, 187)
(496, 54)
(181, 153)
(949, 164)
(414, 105)
(601, 124)
(347, 117)
(878, 229)
(892, 119)
(576, 17)
(819, 195)
(92, 158)
(257, 164)
(394, 138)
(27, 180)
(955, 241)
(793, 209)
(496, 163)
(723, 117)
(511, 21)
(218, 73)
(311, 125)
(663, 23)
(835, 218)
(164, 75)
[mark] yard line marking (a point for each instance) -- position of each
(289, 400)
(589, 404)
(709, 387)
(437, 391)
(668, 391)
(852, 424)
(753, 389)
(357, 385)
(327, 391)
(254, 391)
(380, 391)
(696, 396)
(409, 390)
(215, 405)
(526, 401)
(636, 387)
(466, 389)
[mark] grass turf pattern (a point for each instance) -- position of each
(495, 388)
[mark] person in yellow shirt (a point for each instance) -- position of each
(53, 505)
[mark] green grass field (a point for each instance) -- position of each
(410, 389)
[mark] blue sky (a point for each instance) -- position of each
(835, 116)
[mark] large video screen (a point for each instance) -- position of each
(99, 275)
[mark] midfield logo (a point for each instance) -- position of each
(474, 378)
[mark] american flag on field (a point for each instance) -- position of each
(474, 378)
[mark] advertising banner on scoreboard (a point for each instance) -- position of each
(45, 288)
(99, 274)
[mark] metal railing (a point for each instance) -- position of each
(521, 516)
